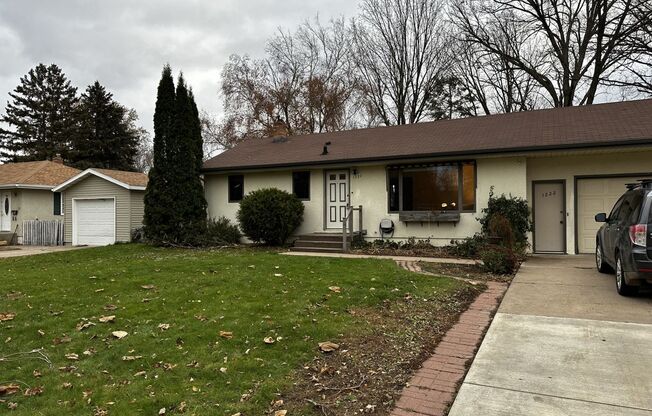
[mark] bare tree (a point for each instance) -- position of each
(637, 69)
(306, 80)
(579, 44)
(400, 53)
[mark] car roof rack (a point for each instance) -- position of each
(640, 183)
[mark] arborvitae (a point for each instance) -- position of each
(105, 138)
(161, 191)
(41, 116)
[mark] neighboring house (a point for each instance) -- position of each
(433, 179)
(26, 194)
(102, 206)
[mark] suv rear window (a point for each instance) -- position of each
(630, 208)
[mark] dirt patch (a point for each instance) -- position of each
(368, 371)
(466, 271)
(439, 252)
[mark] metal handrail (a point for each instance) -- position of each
(347, 225)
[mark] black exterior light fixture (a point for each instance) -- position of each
(325, 151)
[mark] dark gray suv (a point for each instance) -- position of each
(624, 242)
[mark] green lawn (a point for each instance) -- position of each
(252, 293)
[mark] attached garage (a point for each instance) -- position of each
(594, 195)
(103, 206)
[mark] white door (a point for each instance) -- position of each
(549, 217)
(337, 197)
(595, 195)
(93, 222)
(5, 211)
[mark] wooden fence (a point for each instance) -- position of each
(42, 233)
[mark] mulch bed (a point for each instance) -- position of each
(467, 271)
(438, 252)
(368, 372)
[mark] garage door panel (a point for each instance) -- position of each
(94, 222)
(596, 195)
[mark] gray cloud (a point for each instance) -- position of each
(124, 43)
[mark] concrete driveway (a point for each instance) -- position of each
(18, 251)
(563, 343)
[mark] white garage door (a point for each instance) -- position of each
(594, 196)
(94, 222)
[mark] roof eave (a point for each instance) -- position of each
(26, 186)
(506, 151)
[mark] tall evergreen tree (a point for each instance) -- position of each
(105, 137)
(41, 116)
(159, 219)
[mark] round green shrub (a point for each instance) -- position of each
(270, 216)
(514, 209)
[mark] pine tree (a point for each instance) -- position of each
(41, 116)
(159, 219)
(105, 137)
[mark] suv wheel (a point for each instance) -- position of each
(623, 288)
(602, 266)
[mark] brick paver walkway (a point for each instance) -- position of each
(432, 389)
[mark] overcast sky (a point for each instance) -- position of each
(125, 43)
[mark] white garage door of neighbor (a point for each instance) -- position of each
(94, 222)
(596, 195)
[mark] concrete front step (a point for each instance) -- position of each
(7, 237)
(316, 249)
(321, 237)
(323, 244)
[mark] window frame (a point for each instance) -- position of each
(460, 185)
(60, 205)
(229, 191)
(309, 184)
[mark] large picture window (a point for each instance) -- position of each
(437, 187)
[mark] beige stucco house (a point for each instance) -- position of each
(26, 194)
(432, 180)
(102, 206)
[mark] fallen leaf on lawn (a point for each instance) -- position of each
(328, 346)
(68, 369)
(33, 391)
(83, 325)
(40, 332)
(72, 356)
(131, 357)
(66, 386)
(119, 334)
(99, 290)
(106, 319)
(335, 289)
(36, 373)
(163, 327)
(87, 393)
(8, 340)
(110, 307)
(269, 340)
(8, 389)
(56, 313)
(277, 403)
(148, 287)
(226, 334)
(63, 340)
(280, 413)
(162, 411)
(223, 369)
(7, 316)
(12, 405)
(278, 275)
(201, 318)
(182, 407)
(192, 364)
(89, 352)
(140, 373)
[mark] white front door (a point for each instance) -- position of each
(337, 197)
(5, 211)
(93, 222)
(549, 217)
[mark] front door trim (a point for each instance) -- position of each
(563, 187)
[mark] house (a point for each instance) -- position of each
(432, 180)
(102, 206)
(26, 194)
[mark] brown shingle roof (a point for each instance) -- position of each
(611, 124)
(130, 178)
(41, 173)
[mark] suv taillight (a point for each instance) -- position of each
(638, 234)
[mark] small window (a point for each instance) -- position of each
(301, 185)
(236, 188)
(58, 204)
(393, 190)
